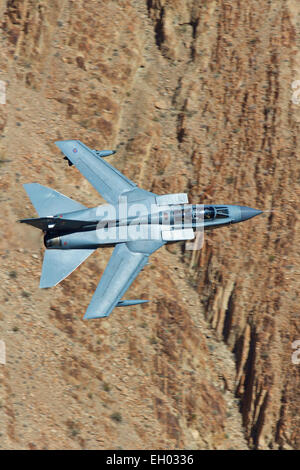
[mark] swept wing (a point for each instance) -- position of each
(121, 270)
(106, 179)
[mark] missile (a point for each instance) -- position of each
(104, 153)
(127, 303)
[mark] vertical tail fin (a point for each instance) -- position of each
(47, 201)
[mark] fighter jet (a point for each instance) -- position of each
(136, 222)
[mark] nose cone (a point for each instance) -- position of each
(248, 212)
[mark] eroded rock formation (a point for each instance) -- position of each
(196, 97)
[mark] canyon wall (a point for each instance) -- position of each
(197, 97)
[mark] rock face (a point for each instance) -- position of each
(197, 97)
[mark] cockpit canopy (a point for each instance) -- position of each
(206, 212)
(209, 212)
(194, 214)
(222, 212)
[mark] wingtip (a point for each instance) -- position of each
(58, 143)
(62, 143)
(27, 185)
(44, 285)
(92, 316)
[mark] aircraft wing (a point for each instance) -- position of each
(121, 270)
(106, 179)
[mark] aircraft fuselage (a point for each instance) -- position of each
(109, 225)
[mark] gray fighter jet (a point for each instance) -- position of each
(135, 221)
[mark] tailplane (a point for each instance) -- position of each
(58, 264)
(47, 201)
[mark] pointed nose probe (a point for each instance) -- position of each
(248, 213)
(241, 213)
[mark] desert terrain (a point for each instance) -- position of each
(196, 96)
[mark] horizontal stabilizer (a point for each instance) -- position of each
(58, 264)
(127, 303)
(47, 201)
